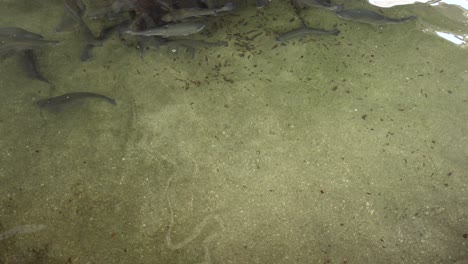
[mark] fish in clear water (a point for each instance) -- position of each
(305, 31)
(123, 6)
(75, 10)
(108, 31)
(55, 103)
(31, 66)
(325, 4)
(190, 45)
(87, 53)
(22, 229)
(262, 3)
(146, 43)
(8, 44)
(370, 17)
(14, 39)
(194, 43)
(18, 40)
(184, 13)
(170, 30)
(16, 32)
(111, 10)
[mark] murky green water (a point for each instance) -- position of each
(346, 149)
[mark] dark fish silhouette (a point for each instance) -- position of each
(170, 30)
(261, 3)
(55, 103)
(191, 45)
(20, 44)
(325, 4)
(305, 31)
(13, 39)
(75, 10)
(31, 66)
(370, 17)
(112, 10)
(184, 13)
(16, 32)
(87, 53)
(18, 40)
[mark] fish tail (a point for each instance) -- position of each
(128, 32)
(227, 7)
(335, 32)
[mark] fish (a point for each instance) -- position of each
(170, 30)
(194, 43)
(8, 44)
(87, 53)
(262, 3)
(55, 103)
(112, 10)
(75, 9)
(14, 39)
(31, 66)
(184, 13)
(120, 6)
(325, 4)
(108, 31)
(146, 43)
(16, 32)
(305, 31)
(191, 44)
(370, 17)
(22, 229)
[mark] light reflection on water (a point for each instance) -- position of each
(456, 39)
(449, 8)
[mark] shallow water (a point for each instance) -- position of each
(347, 149)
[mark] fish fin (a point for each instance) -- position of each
(31, 66)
